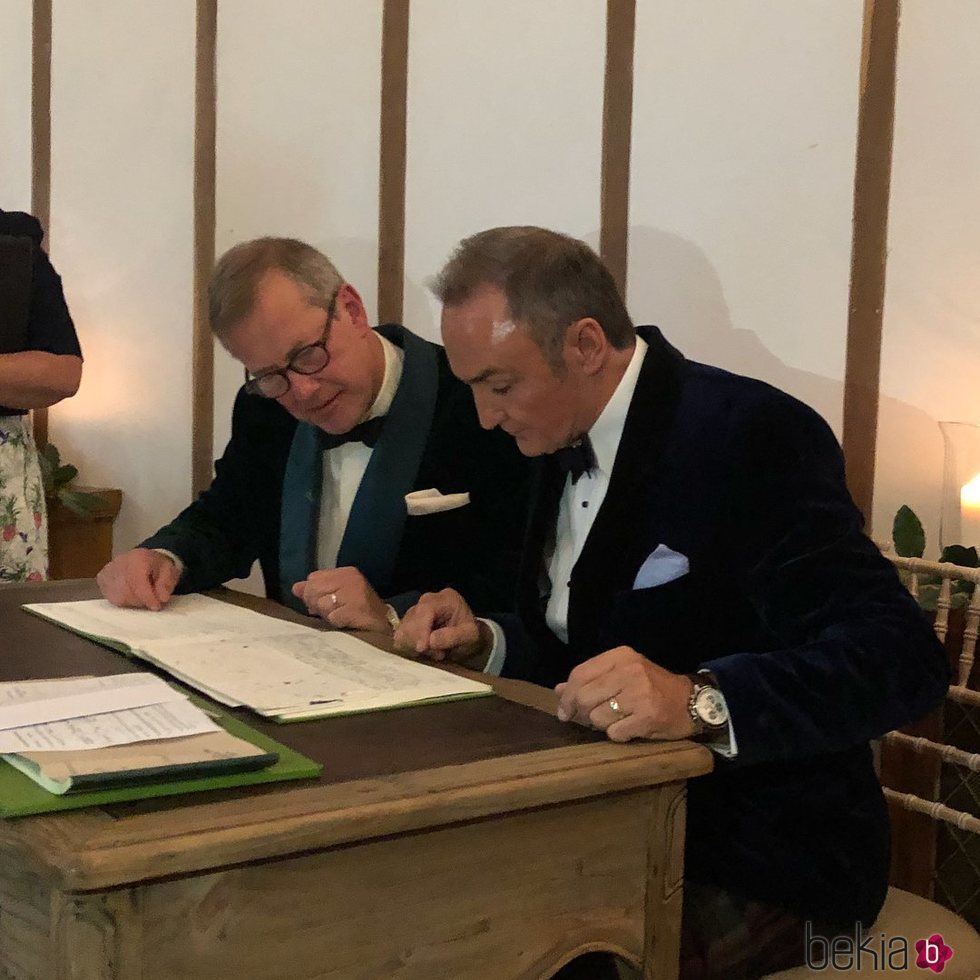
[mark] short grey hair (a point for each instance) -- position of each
(550, 280)
(231, 291)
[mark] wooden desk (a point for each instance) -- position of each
(471, 839)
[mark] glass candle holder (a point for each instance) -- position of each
(960, 519)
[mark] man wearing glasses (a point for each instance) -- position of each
(336, 429)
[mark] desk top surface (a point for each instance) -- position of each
(383, 772)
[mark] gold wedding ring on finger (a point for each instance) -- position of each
(614, 705)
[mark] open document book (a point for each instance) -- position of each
(241, 658)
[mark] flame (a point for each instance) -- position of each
(970, 495)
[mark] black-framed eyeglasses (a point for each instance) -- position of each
(307, 360)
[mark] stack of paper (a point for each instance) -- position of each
(95, 732)
(279, 669)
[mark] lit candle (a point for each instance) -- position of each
(970, 511)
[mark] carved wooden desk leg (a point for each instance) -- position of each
(665, 884)
(97, 936)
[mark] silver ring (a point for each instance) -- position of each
(333, 598)
(614, 704)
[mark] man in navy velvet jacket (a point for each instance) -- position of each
(696, 568)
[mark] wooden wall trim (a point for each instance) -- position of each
(617, 121)
(391, 195)
(41, 145)
(872, 184)
(205, 118)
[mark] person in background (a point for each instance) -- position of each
(336, 425)
(694, 568)
(40, 364)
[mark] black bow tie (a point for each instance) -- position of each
(366, 432)
(577, 458)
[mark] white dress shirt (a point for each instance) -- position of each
(344, 466)
(580, 501)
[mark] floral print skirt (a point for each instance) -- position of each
(23, 518)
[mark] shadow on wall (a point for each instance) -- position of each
(672, 283)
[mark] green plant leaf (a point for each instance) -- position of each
(907, 533)
(928, 597)
(48, 466)
(63, 475)
(79, 502)
(957, 554)
(50, 456)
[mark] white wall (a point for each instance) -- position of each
(744, 130)
(121, 234)
(504, 127)
(744, 134)
(15, 105)
(931, 345)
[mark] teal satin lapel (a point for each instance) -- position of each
(377, 519)
(300, 514)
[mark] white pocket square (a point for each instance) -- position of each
(661, 566)
(420, 502)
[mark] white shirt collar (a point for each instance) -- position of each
(607, 430)
(394, 363)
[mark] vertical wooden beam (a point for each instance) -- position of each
(205, 115)
(872, 183)
(617, 121)
(41, 145)
(391, 203)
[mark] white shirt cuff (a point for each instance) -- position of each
(729, 749)
(180, 565)
(495, 663)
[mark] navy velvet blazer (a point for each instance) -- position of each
(815, 642)
(474, 549)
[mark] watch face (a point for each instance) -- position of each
(711, 708)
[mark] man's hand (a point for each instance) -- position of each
(344, 598)
(627, 696)
(141, 579)
(441, 626)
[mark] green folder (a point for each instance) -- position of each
(20, 796)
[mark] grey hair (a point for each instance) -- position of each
(550, 281)
(231, 291)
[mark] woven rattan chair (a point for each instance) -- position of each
(930, 777)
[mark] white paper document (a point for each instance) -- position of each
(186, 615)
(278, 668)
(35, 702)
(173, 719)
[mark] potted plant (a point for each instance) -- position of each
(909, 539)
(58, 479)
(79, 519)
